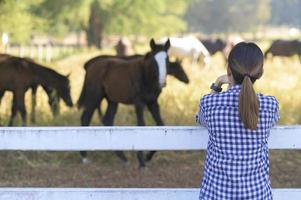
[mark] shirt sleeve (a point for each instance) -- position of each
(276, 114)
(201, 117)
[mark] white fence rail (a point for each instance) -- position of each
(124, 138)
(119, 194)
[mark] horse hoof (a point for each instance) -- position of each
(86, 161)
(143, 168)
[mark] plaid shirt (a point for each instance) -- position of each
(237, 162)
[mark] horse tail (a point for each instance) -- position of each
(92, 91)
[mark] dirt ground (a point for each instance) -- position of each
(167, 169)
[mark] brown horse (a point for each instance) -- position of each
(20, 74)
(284, 48)
(53, 99)
(174, 69)
(136, 81)
(214, 45)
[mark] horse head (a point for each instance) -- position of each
(176, 69)
(64, 91)
(160, 56)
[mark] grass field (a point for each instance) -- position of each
(178, 101)
(179, 104)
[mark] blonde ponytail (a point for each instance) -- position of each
(248, 104)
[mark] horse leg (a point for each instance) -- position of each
(154, 109)
(21, 107)
(87, 115)
(1, 95)
(13, 111)
(85, 121)
(33, 103)
(99, 111)
(53, 100)
(108, 120)
(139, 106)
(18, 104)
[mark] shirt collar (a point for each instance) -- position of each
(234, 88)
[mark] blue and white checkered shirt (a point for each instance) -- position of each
(237, 162)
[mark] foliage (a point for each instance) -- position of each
(150, 17)
(286, 12)
(136, 17)
(227, 15)
(61, 16)
(16, 19)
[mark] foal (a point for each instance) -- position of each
(20, 74)
(136, 81)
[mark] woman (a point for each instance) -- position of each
(239, 122)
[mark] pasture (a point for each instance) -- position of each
(179, 103)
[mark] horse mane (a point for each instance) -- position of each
(43, 70)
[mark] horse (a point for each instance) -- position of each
(135, 82)
(123, 47)
(214, 45)
(284, 48)
(20, 74)
(187, 47)
(53, 99)
(174, 69)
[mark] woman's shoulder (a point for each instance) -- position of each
(268, 102)
(215, 99)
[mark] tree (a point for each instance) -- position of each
(16, 20)
(227, 15)
(94, 29)
(286, 12)
(126, 17)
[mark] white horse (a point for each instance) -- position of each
(189, 47)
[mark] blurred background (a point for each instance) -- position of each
(64, 34)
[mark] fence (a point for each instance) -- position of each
(42, 53)
(124, 138)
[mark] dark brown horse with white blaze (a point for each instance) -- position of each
(137, 81)
(19, 74)
(174, 69)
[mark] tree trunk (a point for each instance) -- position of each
(95, 28)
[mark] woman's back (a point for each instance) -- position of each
(239, 122)
(237, 158)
